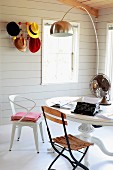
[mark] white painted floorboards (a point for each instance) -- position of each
(24, 157)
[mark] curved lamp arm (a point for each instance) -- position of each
(95, 36)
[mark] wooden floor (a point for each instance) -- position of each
(24, 157)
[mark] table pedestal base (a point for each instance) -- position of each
(86, 130)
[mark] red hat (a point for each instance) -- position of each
(34, 44)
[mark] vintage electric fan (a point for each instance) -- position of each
(100, 86)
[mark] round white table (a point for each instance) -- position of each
(86, 127)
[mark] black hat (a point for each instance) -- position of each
(13, 29)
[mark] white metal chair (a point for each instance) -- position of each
(27, 118)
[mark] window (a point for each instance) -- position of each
(109, 55)
(59, 56)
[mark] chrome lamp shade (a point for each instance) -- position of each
(61, 29)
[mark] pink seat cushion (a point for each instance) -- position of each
(32, 116)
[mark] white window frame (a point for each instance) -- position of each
(109, 56)
(74, 58)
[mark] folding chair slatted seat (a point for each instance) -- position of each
(75, 143)
(67, 142)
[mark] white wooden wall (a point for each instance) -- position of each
(20, 72)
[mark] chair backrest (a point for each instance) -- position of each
(55, 116)
(13, 103)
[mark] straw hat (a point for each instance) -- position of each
(20, 43)
(34, 44)
(33, 30)
(13, 29)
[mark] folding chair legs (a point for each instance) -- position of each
(12, 136)
(64, 155)
(78, 162)
(74, 163)
(60, 153)
(82, 159)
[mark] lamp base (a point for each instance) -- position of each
(104, 102)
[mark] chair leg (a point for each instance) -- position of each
(84, 154)
(41, 131)
(78, 162)
(19, 132)
(12, 136)
(36, 137)
(60, 153)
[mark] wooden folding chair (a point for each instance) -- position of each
(67, 142)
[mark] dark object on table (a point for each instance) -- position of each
(56, 105)
(87, 109)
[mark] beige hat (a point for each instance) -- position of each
(20, 43)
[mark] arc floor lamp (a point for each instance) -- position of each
(63, 29)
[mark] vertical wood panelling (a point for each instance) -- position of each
(21, 71)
